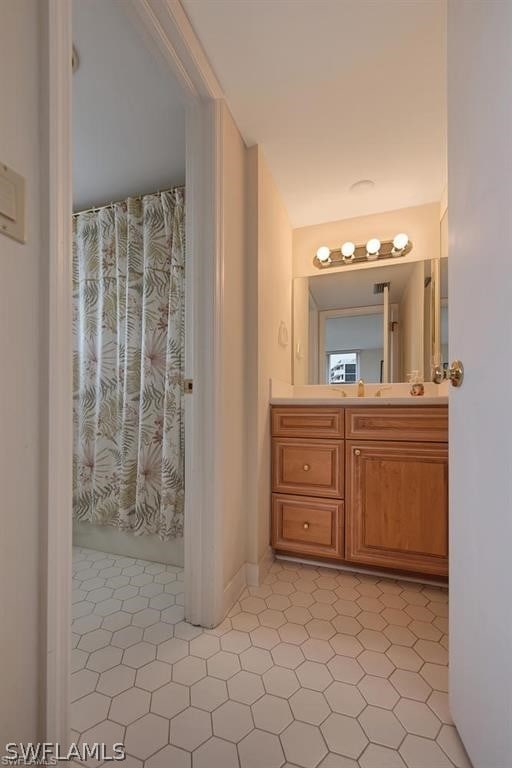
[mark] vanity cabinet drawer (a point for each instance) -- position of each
(307, 526)
(309, 468)
(425, 424)
(316, 422)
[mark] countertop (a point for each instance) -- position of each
(348, 401)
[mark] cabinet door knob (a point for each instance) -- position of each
(357, 452)
(306, 467)
(306, 526)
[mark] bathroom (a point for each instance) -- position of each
(321, 618)
(289, 492)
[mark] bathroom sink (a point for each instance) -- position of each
(346, 394)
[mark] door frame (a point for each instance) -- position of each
(325, 314)
(166, 25)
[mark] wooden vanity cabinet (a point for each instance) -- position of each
(367, 485)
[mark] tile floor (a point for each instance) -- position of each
(315, 668)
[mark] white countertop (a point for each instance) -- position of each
(348, 401)
(282, 393)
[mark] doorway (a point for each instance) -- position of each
(201, 602)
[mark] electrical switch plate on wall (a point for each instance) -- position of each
(12, 204)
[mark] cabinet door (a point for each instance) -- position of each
(397, 505)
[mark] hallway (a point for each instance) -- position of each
(316, 667)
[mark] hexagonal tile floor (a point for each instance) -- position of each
(316, 668)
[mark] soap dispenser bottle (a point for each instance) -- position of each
(417, 386)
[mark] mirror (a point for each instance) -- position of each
(440, 335)
(376, 323)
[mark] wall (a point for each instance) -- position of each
(270, 279)
(412, 317)
(105, 538)
(22, 313)
(480, 194)
(235, 348)
(421, 224)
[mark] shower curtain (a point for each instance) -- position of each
(128, 328)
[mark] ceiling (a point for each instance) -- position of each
(128, 115)
(354, 288)
(335, 91)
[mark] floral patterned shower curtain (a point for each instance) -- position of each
(128, 325)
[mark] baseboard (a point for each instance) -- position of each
(104, 538)
(256, 572)
(362, 569)
(234, 589)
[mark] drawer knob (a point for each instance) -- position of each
(357, 452)
(306, 526)
(306, 467)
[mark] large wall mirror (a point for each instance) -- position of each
(378, 323)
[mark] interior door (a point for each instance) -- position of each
(480, 323)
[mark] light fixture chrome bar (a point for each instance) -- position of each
(386, 251)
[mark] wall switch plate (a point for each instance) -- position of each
(12, 204)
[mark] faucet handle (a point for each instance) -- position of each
(340, 391)
(381, 390)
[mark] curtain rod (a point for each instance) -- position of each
(96, 208)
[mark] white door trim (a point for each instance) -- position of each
(56, 197)
(168, 26)
(204, 444)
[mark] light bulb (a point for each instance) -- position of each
(348, 250)
(372, 248)
(400, 242)
(323, 254)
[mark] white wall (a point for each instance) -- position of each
(421, 224)
(480, 290)
(123, 153)
(22, 386)
(270, 281)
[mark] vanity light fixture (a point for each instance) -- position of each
(348, 251)
(399, 243)
(324, 254)
(372, 249)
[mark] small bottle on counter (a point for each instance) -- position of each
(417, 386)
